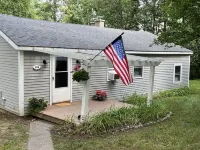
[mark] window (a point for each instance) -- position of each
(138, 71)
(177, 72)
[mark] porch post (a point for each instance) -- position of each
(151, 83)
(85, 97)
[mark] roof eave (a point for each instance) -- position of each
(159, 52)
(128, 52)
(29, 48)
(7, 39)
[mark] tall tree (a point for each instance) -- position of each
(20, 8)
(77, 11)
(183, 22)
(183, 28)
(49, 10)
(119, 13)
(152, 18)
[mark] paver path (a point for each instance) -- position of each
(39, 136)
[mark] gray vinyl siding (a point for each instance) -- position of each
(165, 72)
(116, 91)
(9, 77)
(36, 83)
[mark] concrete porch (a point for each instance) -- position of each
(73, 110)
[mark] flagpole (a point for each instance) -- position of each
(104, 48)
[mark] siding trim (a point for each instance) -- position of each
(7, 39)
(21, 81)
(189, 72)
(51, 81)
(70, 74)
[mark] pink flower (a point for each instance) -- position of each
(77, 67)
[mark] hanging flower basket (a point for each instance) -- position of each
(80, 75)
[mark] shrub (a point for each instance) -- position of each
(140, 99)
(36, 105)
(80, 75)
(183, 91)
(150, 113)
(136, 99)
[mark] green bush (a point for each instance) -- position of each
(151, 113)
(136, 99)
(36, 105)
(182, 91)
(80, 75)
(140, 99)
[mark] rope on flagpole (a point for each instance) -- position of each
(104, 49)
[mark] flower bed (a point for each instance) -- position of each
(100, 95)
(113, 120)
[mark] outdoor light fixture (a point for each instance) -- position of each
(45, 62)
(78, 61)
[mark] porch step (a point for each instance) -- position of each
(49, 118)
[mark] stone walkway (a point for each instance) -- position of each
(40, 137)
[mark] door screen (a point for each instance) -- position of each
(61, 72)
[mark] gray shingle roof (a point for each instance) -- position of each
(35, 33)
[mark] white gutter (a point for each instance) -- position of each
(134, 52)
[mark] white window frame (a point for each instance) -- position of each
(177, 64)
(142, 72)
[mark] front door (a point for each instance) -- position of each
(61, 83)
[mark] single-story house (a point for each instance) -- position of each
(32, 62)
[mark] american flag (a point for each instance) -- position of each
(116, 53)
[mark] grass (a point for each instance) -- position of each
(13, 132)
(195, 84)
(180, 132)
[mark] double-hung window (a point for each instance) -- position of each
(177, 72)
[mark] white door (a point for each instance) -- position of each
(61, 79)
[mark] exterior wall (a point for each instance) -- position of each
(9, 77)
(164, 72)
(163, 79)
(36, 83)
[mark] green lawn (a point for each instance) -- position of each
(195, 84)
(13, 132)
(180, 132)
